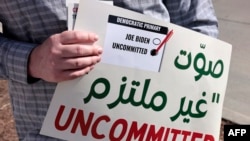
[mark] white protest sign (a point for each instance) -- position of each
(133, 94)
(71, 16)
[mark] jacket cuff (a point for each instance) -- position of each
(17, 61)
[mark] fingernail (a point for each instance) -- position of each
(96, 37)
(99, 50)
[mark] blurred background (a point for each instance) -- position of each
(234, 27)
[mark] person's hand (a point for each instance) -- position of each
(64, 56)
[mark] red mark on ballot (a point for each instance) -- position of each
(168, 36)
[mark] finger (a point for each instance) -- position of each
(72, 74)
(80, 50)
(70, 37)
(78, 63)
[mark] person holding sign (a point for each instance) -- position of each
(37, 52)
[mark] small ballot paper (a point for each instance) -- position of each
(133, 44)
(156, 81)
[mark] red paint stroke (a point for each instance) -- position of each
(168, 36)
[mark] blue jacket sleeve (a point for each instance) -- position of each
(14, 58)
(198, 15)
